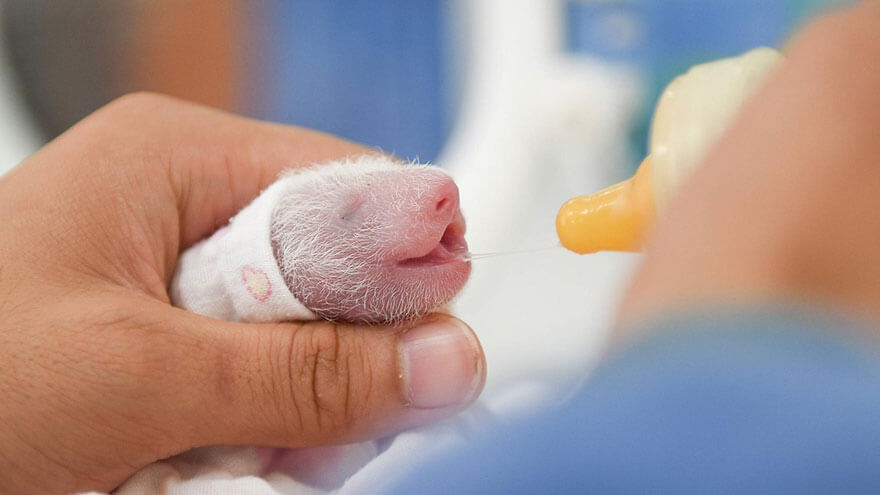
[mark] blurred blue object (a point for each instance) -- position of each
(665, 38)
(654, 34)
(369, 71)
(379, 72)
(659, 34)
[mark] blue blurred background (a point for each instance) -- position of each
(375, 72)
(387, 73)
(370, 71)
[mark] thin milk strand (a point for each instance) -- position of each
(478, 256)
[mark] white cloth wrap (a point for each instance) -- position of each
(233, 275)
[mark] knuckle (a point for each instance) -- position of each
(321, 376)
(129, 111)
(136, 102)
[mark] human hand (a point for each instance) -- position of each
(101, 376)
(785, 205)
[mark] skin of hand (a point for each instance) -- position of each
(787, 204)
(101, 376)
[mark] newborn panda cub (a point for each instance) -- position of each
(366, 240)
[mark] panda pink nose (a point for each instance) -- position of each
(444, 199)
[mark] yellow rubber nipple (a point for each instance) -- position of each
(614, 219)
(692, 113)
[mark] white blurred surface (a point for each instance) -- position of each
(537, 127)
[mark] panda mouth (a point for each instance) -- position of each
(451, 247)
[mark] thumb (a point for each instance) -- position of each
(318, 383)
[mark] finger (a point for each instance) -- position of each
(318, 383)
(151, 176)
(216, 162)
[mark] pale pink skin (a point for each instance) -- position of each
(385, 246)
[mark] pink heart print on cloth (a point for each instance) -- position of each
(256, 282)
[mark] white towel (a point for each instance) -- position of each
(233, 275)
(241, 470)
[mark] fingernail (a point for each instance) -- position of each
(441, 364)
